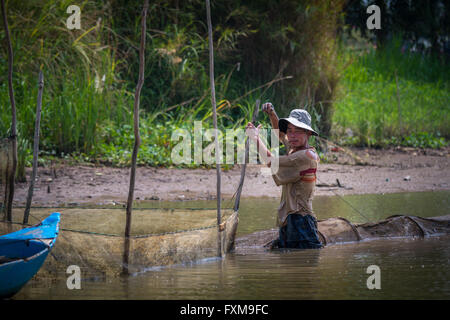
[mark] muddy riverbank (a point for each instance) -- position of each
(383, 171)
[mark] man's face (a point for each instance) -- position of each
(297, 137)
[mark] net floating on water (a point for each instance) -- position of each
(339, 230)
(93, 239)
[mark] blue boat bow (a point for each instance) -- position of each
(23, 252)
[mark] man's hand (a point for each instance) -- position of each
(252, 131)
(268, 108)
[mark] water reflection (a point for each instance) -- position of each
(410, 268)
(238, 276)
(260, 214)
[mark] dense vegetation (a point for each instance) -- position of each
(293, 53)
(392, 96)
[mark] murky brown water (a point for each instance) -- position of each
(409, 268)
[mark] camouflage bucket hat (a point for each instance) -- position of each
(299, 118)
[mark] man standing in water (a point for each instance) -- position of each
(297, 176)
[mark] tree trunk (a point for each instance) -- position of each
(10, 183)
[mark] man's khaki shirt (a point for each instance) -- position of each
(297, 176)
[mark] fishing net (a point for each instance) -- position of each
(338, 230)
(93, 238)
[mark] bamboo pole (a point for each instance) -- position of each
(137, 139)
(35, 147)
(11, 181)
(244, 166)
(216, 138)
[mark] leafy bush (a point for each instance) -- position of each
(420, 140)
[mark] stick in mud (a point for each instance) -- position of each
(9, 200)
(213, 102)
(35, 147)
(137, 139)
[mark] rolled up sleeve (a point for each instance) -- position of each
(289, 167)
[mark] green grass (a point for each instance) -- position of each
(379, 113)
(90, 78)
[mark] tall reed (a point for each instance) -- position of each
(82, 89)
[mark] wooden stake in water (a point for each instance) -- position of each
(216, 138)
(35, 147)
(10, 183)
(137, 140)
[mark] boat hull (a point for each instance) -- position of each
(22, 254)
(14, 275)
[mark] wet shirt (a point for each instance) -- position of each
(297, 176)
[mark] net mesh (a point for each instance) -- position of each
(93, 238)
(338, 230)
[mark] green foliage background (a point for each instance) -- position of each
(293, 53)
